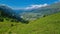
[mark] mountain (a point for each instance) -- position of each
(40, 12)
(6, 11)
(31, 14)
(45, 20)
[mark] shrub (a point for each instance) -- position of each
(16, 21)
(1, 19)
(12, 20)
(12, 25)
(44, 15)
(7, 19)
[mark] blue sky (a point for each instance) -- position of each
(25, 3)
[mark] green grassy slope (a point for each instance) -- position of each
(45, 25)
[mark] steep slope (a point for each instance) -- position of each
(45, 25)
(6, 11)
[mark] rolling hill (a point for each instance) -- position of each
(45, 25)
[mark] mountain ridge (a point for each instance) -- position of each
(39, 12)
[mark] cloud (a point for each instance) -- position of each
(29, 7)
(36, 6)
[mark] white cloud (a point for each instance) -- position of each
(36, 6)
(29, 7)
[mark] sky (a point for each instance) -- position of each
(26, 3)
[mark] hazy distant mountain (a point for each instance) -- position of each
(51, 8)
(32, 13)
(39, 12)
